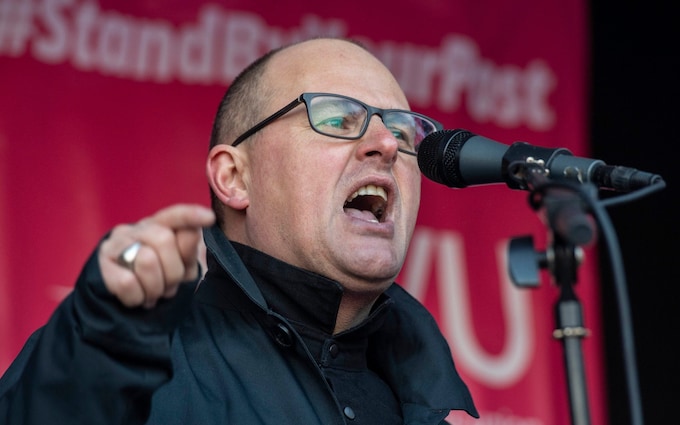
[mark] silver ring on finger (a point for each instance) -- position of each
(128, 256)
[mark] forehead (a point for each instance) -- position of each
(333, 66)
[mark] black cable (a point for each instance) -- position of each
(619, 278)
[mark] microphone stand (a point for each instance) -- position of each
(570, 227)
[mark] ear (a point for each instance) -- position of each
(224, 169)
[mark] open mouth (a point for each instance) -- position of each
(370, 201)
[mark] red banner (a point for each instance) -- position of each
(105, 115)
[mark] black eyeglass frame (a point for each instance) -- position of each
(307, 97)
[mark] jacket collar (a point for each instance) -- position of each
(408, 349)
(221, 251)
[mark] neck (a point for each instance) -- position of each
(353, 310)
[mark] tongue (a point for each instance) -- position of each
(362, 214)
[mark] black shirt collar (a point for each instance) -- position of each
(307, 299)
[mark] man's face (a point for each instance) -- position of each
(345, 209)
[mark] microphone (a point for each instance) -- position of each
(459, 158)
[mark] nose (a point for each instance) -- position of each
(379, 140)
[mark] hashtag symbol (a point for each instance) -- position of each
(16, 25)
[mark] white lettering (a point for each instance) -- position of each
(508, 96)
(499, 370)
(85, 19)
(196, 45)
(419, 259)
(154, 56)
(16, 26)
(540, 81)
(220, 44)
(54, 49)
(415, 68)
(458, 67)
(113, 49)
(242, 44)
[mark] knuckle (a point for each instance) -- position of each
(164, 235)
(128, 290)
(120, 230)
(170, 291)
(145, 260)
(175, 272)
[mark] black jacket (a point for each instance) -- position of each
(217, 354)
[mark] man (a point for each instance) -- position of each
(298, 319)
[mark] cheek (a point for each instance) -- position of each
(285, 181)
(267, 180)
(410, 187)
(416, 198)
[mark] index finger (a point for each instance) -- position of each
(181, 216)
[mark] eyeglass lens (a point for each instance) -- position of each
(345, 118)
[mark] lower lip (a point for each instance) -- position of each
(385, 228)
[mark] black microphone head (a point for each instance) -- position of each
(439, 156)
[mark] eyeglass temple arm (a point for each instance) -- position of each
(407, 152)
(265, 122)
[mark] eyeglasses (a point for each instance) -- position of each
(343, 117)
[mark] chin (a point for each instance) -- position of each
(377, 274)
(368, 289)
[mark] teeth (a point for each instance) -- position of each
(369, 190)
